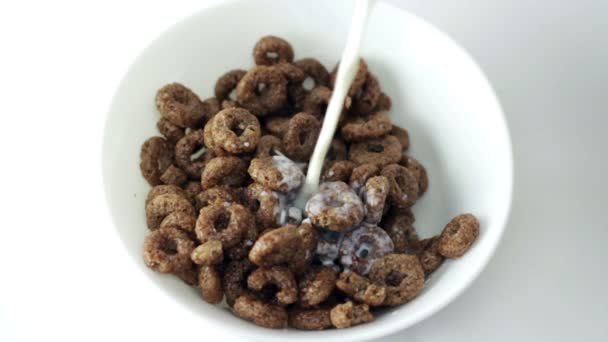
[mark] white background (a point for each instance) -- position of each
(65, 276)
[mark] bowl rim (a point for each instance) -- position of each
(364, 332)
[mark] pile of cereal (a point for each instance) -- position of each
(227, 169)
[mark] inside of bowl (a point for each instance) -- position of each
(439, 95)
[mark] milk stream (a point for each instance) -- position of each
(347, 70)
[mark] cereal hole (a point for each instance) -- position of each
(394, 278)
(222, 221)
(375, 148)
(168, 246)
(198, 153)
(308, 83)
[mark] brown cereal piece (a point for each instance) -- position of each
(192, 189)
(401, 274)
(335, 207)
(360, 289)
(359, 128)
(358, 82)
(167, 250)
(228, 223)
(374, 196)
(328, 246)
(173, 175)
(277, 125)
(260, 313)
(384, 102)
(304, 254)
(337, 150)
(314, 71)
(458, 236)
(366, 100)
(189, 275)
(181, 106)
(277, 173)
(218, 194)
(286, 245)
(186, 148)
(268, 146)
(270, 50)
(262, 90)
(363, 246)
(161, 206)
(209, 253)
(170, 131)
(404, 185)
(210, 283)
(234, 282)
(337, 171)
(165, 189)
(156, 156)
(264, 204)
(278, 276)
(380, 151)
(229, 171)
(402, 135)
(292, 73)
(309, 319)
(179, 219)
(348, 314)
(236, 131)
(301, 136)
(226, 104)
(419, 171)
(316, 285)
(212, 106)
(317, 101)
(226, 84)
(429, 257)
(361, 174)
(398, 225)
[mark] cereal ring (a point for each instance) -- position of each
(165, 189)
(358, 82)
(278, 173)
(264, 204)
(236, 131)
(180, 105)
(313, 71)
(402, 275)
(380, 151)
(361, 174)
(398, 225)
(285, 245)
(384, 103)
(226, 84)
(156, 156)
(271, 50)
(235, 280)
(209, 253)
(316, 285)
(170, 131)
(335, 207)
(211, 106)
(359, 128)
(161, 206)
(226, 223)
(218, 194)
(458, 236)
(230, 171)
(429, 257)
(189, 275)
(404, 185)
(337, 150)
(363, 246)
(418, 171)
(192, 189)
(304, 254)
(291, 73)
(374, 196)
(402, 135)
(337, 171)
(173, 175)
(260, 313)
(210, 282)
(317, 101)
(361, 289)
(186, 148)
(301, 136)
(309, 319)
(179, 219)
(277, 125)
(167, 250)
(366, 100)
(348, 314)
(262, 90)
(279, 276)
(328, 246)
(227, 104)
(268, 146)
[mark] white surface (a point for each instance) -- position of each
(435, 88)
(63, 271)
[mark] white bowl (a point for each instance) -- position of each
(439, 94)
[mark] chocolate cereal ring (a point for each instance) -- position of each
(418, 171)
(317, 101)
(210, 283)
(236, 131)
(226, 84)
(167, 250)
(429, 256)
(173, 175)
(277, 125)
(379, 151)
(208, 253)
(359, 128)
(183, 220)
(170, 131)
(260, 313)
(337, 171)
(228, 171)
(363, 246)
(361, 174)
(316, 285)
(458, 236)
(156, 157)
(228, 224)
(374, 196)
(279, 276)
(361, 289)
(264, 204)
(262, 90)
(234, 282)
(268, 146)
(271, 50)
(186, 148)
(402, 135)
(277, 173)
(358, 82)
(404, 185)
(328, 246)
(287, 245)
(313, 71)
(165, 189)
(217, 194)
(366, 100)
(401, 274)
(348, 314)
(192, 189)
(300, 139)
(180, 105)
(161, 206)
(309, 319)
(335, 207)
